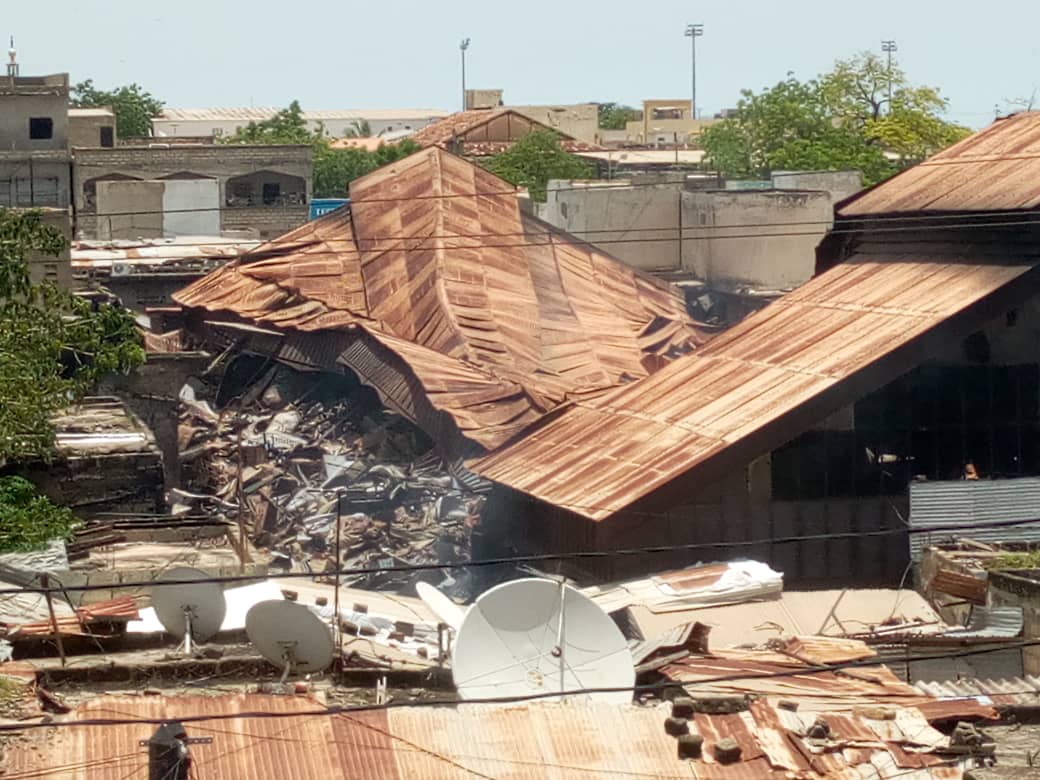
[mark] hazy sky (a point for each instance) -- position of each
(347, 54)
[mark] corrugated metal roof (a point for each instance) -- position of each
(1020, 691)
(978, 503)
(997, 169)
(569, 740)
(496, 329)
(603, 454)
(487, 131)
(991, 623)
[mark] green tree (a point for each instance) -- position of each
(134, 107)
(53, 345)
(334, 169)
(842, 120)
(613, 116)
(535, 159)
(28, 521)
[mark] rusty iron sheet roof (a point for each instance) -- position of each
(487, 306)
(486, 131)
(118, 610)
(573, 740)
(602, 454)
(997, 169)
(1021, 691)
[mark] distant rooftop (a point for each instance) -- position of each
(265, 112)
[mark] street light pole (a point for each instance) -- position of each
(693, 32)
(462, 50)
(889, 47)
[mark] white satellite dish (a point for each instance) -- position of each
(192, 611)
(447, 611)
(290, 636)
(539, 636)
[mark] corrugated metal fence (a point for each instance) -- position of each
(978, 503)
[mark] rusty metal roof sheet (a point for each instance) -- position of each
(997, 169)
(486, 306)
(573, 740)
(602, 454)
(1022, 691)
(486, 131)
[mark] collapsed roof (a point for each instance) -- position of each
(438, 291)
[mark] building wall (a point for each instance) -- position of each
(48, 268)
(129, 209)
(580, 121)
(758, 239)
(637, 225)
(26, 100)
(85, 129)
(840, 184)
(1020, 589)
(30, 179)
(231, 167)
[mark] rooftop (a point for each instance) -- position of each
(749, 389)
(997, 169)
(486, 131)
(261, 113)
(494, 314)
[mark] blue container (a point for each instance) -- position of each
(320, 206)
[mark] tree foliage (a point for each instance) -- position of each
(614, 116)
(334, 169)
(841, 120)
(53, 345)
(28, 521)
(134, 107)
(535, 159)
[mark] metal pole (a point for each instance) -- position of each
(337, 628)
(693, 32)
(463, 45)
(889, 47)
(45, 582)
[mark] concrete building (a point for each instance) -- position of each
(34, 157)
(160, 190)
(201, 122)
(742, 244)
(92, 127)
(665, 123)
(578, 120)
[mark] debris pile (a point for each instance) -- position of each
(296, 460)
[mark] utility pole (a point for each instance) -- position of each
(462, 50)
(693, 32)
(889, 47)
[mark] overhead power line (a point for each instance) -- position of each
(541, 557)
(520, 699)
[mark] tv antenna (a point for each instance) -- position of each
(190, 611)
(533, 636)
(290, 636)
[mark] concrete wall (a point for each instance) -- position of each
(222, 164)
(579, 121)
(840, 184)
(20, 104)
(191, 207)
(35, 179)
(764, 239)
(48, 268)
(730, 240)
(86, 125)
(617, 218)
(1020, 589)
(129, 209)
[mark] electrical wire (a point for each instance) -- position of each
(537, 557)
(517, 699)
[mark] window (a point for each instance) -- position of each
(41, 128)
(271, 193)
(108, 137)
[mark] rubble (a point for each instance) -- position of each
(304, 464)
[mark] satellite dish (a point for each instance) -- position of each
(290, 636)
(538, 636)
(447, 611)
(192, 611)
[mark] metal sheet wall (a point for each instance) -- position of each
(978, 503)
